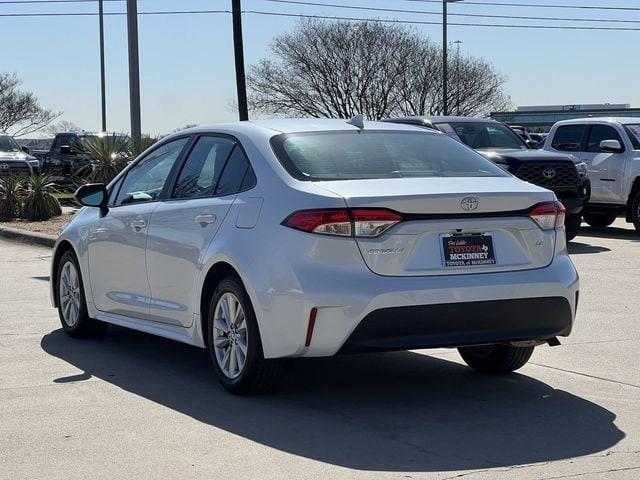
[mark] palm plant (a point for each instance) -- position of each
(108, 156)
(145, 142)
(10, 193)
(39, 203)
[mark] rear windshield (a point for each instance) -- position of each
(378, 154)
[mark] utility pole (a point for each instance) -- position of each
(445, 66)
(243, 109)
(458, 43)
(103, 94)
(134, 73)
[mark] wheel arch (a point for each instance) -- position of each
(63, 247)
(215, 274)
(635, 189)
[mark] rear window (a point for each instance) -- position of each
(378, 154)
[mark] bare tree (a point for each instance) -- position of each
(20, 112)
(341, 68)
(62, 126)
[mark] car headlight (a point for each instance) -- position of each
(582, 168)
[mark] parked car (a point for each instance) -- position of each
(304, 238)
(15, 159)
(63, 160)
(610, 147)
(501, 145)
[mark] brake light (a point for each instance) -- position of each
(548, 215)
(358, 222)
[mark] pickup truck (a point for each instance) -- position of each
(63, 160)
(15, 160)
(500, 144)
(610, 147)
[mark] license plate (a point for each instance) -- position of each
(468, 250)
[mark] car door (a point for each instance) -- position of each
(605, 168)
(117, 241)
(183, 226)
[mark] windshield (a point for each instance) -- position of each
(8, 144)
(340, 155)
(487, 135)
(634, 134)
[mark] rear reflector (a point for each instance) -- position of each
(359, 222)
(310, 326)
(548, 215)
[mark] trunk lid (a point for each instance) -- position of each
(451, 219)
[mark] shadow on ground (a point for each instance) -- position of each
(385, 412)
(611, 232)
(577, 248)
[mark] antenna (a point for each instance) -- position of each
(357, 121)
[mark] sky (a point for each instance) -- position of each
(187, 72)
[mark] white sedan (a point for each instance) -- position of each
(291, 238)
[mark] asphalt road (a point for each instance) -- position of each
(130, 405)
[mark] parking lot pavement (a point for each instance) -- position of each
(130, 405)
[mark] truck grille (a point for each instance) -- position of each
(549, 175)
(9, 168)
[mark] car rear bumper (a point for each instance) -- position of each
(361, 311)
(457, 324)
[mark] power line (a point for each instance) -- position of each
(93, 14)
(533, 5)
(327, 17)
(426, 22)
(472, 15)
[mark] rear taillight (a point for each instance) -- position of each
(358, 222)
(548, 215)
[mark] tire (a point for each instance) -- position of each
(73, 312)
(572, 225)
(240, 338)
(600, 220)
(496, 358)
(635, 212)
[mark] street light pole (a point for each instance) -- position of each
(103, 94)
(241, 86)
(445, 66)
(134, 73)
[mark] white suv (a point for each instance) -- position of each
(293, 238)
(610, 147)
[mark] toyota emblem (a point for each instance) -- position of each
(4, 166)
(469, 203)
(549, 173)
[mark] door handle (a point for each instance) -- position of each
(138, 225)
(205, 219)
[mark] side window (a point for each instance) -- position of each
(569, 138)
(237, 175)
(144, 182)
(201, 171)
(600, 133)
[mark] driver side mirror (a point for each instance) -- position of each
(93, 195)
(25, 150)
(531, 143)
(611, 146)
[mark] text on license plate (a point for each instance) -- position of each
(468, 250)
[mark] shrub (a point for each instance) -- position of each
(39, 203)
(108, 155)
(10, 193)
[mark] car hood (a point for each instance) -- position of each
(503, 154)
(21, 157)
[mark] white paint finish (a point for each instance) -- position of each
(287, 272)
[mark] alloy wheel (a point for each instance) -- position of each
(69, 290)
(230, 335)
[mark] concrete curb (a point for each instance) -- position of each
(27, 237)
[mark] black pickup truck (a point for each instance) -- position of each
(64, 159)
(500, 144)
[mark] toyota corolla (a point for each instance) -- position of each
(300, 238)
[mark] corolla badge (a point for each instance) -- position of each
(549, 173)
(469, 203)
